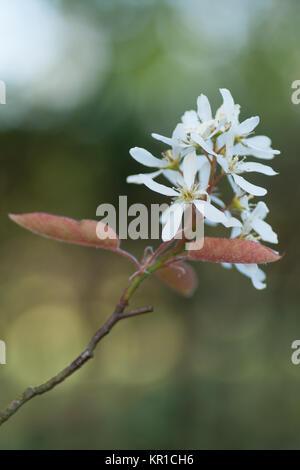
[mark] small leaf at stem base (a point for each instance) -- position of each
(179, 276)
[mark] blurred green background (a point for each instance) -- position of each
(85, 82)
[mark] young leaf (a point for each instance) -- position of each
(228, 250)
(79, 232)
(179, 276)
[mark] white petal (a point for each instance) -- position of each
(236, 113)
(172, 221)
(173, 177)
(227, 265)
(178, 140)
(202, 159)
(201, 206)
(157, 187)
(252, 271)
(204, 173)
(190, 168)
(137, 179)
(247, 126)
(235, 232)
(260, 141)
(243, 150)
(223, 163)
(221, 141)
(165, 140)
(265, 153)
(249, 187)
(236, 189)
(261, 210)
(228, 103)
(176, 151)
(264, 230)
(260, 275)
(219, 123)
(257, 167)
(204, 109)
(207, 146)
(179, 133)
(244, 202)
(250, 150)
(232, 222)
(247, 269)
(229, 138)
(210, 223)
(190, 119)
(164, 216)
(146, 158)
(214, 214)
(217, 200)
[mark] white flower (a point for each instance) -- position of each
(258, 146)
(235, 166)
(252, 271)
(228, 113)
(226, 143)
(238, 132)
(200, 124)
(138, 179)
(187, 192)
(178, 140)
(253, 220)
(146, 158)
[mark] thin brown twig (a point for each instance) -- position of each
(85, 356)
(88, 353)
(138, 311)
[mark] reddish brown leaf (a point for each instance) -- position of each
(228, 250)
(180, 277)
(80, 232)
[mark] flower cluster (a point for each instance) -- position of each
(203, 150)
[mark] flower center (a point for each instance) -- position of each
(233, 164)
(171, 162)
(189, 195)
